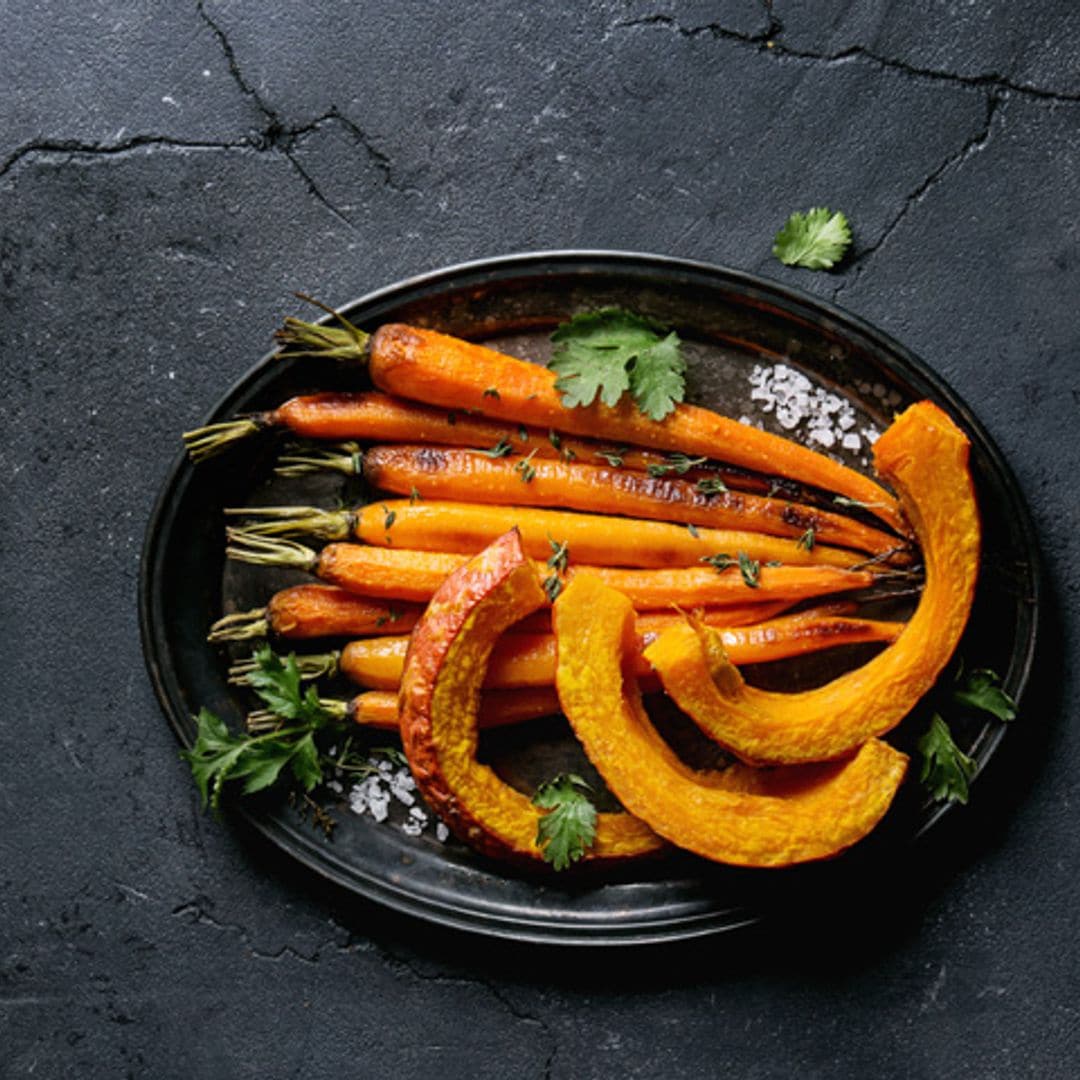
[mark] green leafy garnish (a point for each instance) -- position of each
(523, 433)
(526, 468)
(676, 463)
(982, 690)
(946, 769)
(568, 829)
(691, 528)
(389, 516)
(711, 485)
(612, 352)
(750, 570)
(555, 439)
(613, 457)
(552, 585)
(815, 240)
(414, 496)
(219, 755)
(500, 449)
(560, 554)
(807, 540)
(719, 561)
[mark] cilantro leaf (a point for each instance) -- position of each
(568, 829)
(946, 769)
(607, 353)
(982, 690)
(213, 756)
(815, 240)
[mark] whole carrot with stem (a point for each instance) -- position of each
(313, 611)
(310, 611)
(454, 474)
(378, 709)
(338, 420)
(398, 574)
(441, 525)
(528, 659)
(441, 370)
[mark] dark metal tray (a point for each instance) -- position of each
(731, 320)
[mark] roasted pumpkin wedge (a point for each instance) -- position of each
(440, 698)
(741, 815)
(925, 457)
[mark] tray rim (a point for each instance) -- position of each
(589, 932)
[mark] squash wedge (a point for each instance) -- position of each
(925, 457)
(742, 815)
(440, 701)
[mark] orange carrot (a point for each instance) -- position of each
(589, 538)
(446, 371)
(308, 611)
(398, 574)
(528, 660)
(449, 473)
(379, 708)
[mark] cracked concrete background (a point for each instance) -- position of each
(171, 173)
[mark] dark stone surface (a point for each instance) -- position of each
(170, 173)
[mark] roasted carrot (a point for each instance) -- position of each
(589, 538)
(308, 611)
(398, 574)
(455, 474)
(379, 708)
(524, 660)
(441, 370)
(376, 417)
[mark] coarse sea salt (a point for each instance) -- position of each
(819, 416)
(375, 794)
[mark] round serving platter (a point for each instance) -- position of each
(731, 321)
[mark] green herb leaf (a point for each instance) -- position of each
(552, 586)
(523, 433)
(691, 528)
(555, 439)
(526, 468)
(676, 463)
(389, 516)
(982, 690)
(613, 457)
(720, 561)
(807, 539)
(560, 554)
(946, 769)
(213, 756)
(815, 240)
(750, 570)
(711, 485)
(611, 352)
(492, 392)
(414, 497)
(568, 829)
(500, 449)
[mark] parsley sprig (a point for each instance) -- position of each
(815, 240)
(220, 755)
(946, 770)
(612, 352)
(567, 831)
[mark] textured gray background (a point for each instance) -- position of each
(170, 173)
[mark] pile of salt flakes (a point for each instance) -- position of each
(818, 416)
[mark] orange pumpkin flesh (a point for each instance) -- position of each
(743, 816)
(924, 456)
(440, 697)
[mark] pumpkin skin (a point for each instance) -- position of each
(743, 816)
(439, 707)
(925, 457)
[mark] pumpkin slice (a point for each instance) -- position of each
(439, 705)
(925, 458)
(742, 815)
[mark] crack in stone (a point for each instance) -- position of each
(402, 965)
(200, 917)
(766, 42)
(73, 147)
(974, 144)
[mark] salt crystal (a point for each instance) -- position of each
(402, 786)
(412, 828)
(442, 833)
(823, 436)
(418, 814)
(851, 441)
